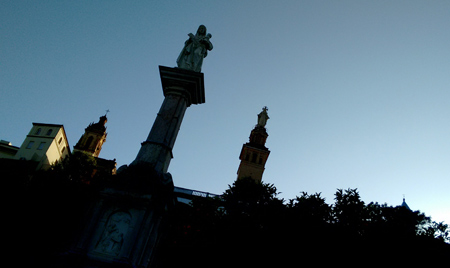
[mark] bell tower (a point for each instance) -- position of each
(254, 154)
(93, 138)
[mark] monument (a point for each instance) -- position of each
(195, 49)
(182, 87)
(125, 225)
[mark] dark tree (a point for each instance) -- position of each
(78, 168)
(252, 209)
(310, 208)
(247, 199)
(51, 207)
(348, 211)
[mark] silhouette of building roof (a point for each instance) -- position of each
(404, 204)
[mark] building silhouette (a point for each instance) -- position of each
(254, 154)
(404, 204)
(92, 140)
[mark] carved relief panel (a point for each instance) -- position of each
(115, 233)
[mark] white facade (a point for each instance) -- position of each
(46, 144)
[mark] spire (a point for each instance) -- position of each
(404, 203)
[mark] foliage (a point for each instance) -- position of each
(437, 230)
(249, 199)
(49, 208)
(247, 220)
(252, 210)
(78, 167)
(312, 207)
(250, 219)
(348, 210)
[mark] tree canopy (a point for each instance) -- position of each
(250, 220)
(248, 224)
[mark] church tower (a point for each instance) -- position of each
(254, 153)
(93, 138)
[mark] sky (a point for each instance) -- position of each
(358, 91)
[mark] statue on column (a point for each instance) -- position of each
(194, 50)
(263, 117)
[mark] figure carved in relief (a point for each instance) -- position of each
(116, 228)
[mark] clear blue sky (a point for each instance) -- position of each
(358, 91)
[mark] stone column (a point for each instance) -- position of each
(181, 89)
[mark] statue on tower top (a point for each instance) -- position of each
(194, 50)
(263, 117)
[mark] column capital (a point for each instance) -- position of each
(180, 81)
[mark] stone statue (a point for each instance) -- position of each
(263, 117)
(194, 50)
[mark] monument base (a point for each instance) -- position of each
(126, 222)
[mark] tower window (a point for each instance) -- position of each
(38, 131)
(89, 141)
(41, 146)
(49, 132)
(30, 144)
(60, 140)
(254, 157)
(63, 149)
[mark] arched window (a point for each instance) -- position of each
(38, 131)
(89, 141)
(49, 132)
(254, 156)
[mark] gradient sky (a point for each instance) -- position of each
(358, 91)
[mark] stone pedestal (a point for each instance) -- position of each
(125, 224)
(122, 231)
(181, 89)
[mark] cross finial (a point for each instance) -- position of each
(107, 111)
